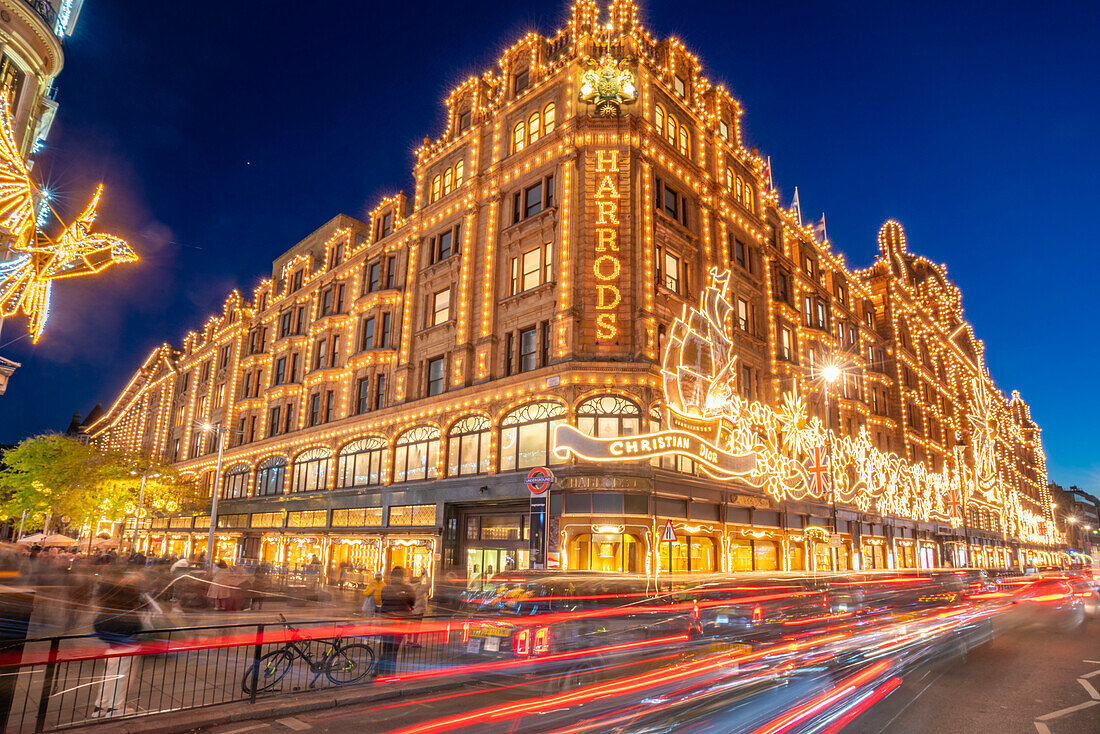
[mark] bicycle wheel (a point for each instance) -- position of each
(273, 667)
(350, 663)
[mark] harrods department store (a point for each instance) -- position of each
(387, 388)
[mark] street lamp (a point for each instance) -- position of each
(221, 432)
(141, 503)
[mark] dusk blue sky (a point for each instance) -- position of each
(225, 132)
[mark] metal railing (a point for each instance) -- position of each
(72, 680)
(45, 11)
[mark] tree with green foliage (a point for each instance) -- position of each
(52, 477)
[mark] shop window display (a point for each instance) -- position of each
(360, 463)
(689, 554)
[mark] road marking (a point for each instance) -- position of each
(1089, 675)
(245, 728)
(1042, 728)
(903, 708)
(296, 724)
(1063, 712)
(1088, 687)
(1091, 661)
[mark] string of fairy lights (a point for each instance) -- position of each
(730, 186)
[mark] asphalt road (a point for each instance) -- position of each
(1020, 678)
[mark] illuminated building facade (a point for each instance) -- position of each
(391, 383)
(31, 57)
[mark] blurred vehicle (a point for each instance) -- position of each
(1047, 601)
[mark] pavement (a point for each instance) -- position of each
(1025, 680)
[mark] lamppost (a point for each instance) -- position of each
(141, 505)
(830, 372)
(221, 432)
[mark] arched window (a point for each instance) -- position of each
(448, 181)
(270, 477)
(737, 192)
(608, 416)
(311, 470)
(236, 482)
(416, 455)
(729, 179)
(519, 136)
(468, 446)
(685, 141)
(548, 119)
(748, 197)
(670, 131)
(435, 188)
(360, 463)
(526, 435)
(460, 168)
(533, 127)
(659, 119)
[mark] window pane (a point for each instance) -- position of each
(508, 448)
(533, 204)
(532, 445)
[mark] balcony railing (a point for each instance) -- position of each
(45, 11)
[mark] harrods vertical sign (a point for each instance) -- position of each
(607, 291)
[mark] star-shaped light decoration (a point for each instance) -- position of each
(27, 280)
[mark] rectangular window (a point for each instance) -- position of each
(296, 281)
(520, 81)
(532, 200)
(379, 391)
(528, 350)
(822, 316)
(509, 353)
(373, 274)
(746, 382)
(314, 408)
(464, 119)
(280, 371)
(224, 359)
(339, 307)
(670, 200)
(385, 342)
(366, 339)
(219, 395)
(544, 348)
(289, 418)
(294, 367)
(786, 349)
(363, 394)
(319, 353)
(678, 86)
(330, 402)
(441, 306)
(743, 314)
(335, 351)
(808, 310)
(446, 242)
(273, 421)
(301, 326)
(326, 302)
(781, 285)
(435, 376)
(284, 324)
(724, 129)
(391, 272)
(387, 219)
(671, 265)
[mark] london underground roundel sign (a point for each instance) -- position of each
(539, 479)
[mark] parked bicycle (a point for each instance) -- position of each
(340, 661)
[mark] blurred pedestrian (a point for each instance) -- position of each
(221, 588)
(372, 596)
(117, 623)
(397, 601)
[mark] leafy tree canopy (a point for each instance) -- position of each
(53, 476)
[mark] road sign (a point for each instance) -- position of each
(668, 535)
(539, 480)
(835, 541)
